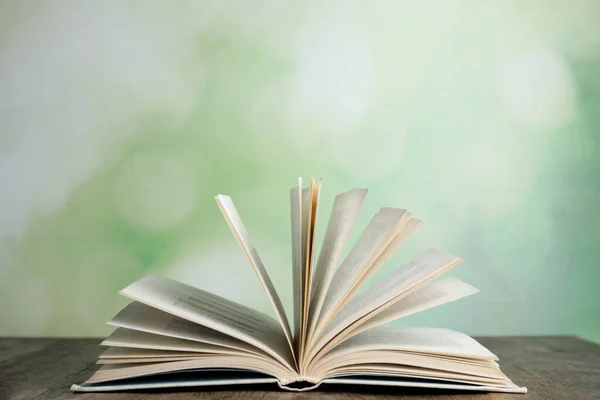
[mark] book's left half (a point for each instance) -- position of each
(172, 328)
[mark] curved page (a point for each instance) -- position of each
(385, 292)
(382, 229)
(239, 231)
(215, 312)
(140, 317)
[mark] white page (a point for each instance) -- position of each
(128, 355)
(431, 295)
(395, 372)
(109, 372)
(239, 230)
(379, 233)
(411, 225)
(297, 257)
(418, 340)
(307, 220)
(377, 361)
(343, 215)
(436, 348)
(148, 360)
(129, 352)
(214, 312)
(140, 317)
(310, 208)
(417, 272)
(123, 337)
(355, 360)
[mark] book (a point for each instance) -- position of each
(173, 335)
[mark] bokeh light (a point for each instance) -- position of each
(119, 123)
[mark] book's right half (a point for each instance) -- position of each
(347, 342)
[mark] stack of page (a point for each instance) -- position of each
(175, 335)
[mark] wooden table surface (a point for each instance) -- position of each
(550, 367)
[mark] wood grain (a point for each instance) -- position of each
(550, 367)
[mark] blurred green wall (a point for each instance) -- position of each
(119, 122)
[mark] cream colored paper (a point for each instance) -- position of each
(172, 327)
(343, 215)
(385, 292)
(431, 295)
(239, 230)
(214, 312)
(297, 258)
(141, 317)
(382, 229)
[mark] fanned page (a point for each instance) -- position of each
(403, 233)
(437, 341)
(343, 215)
(385, 293)
(429, 357)
(175, 335)
(304, 209)
(125, 353)
(214, 312)
(431, 295)
(114, 372)
(297, 258)
(239, 230)
(140, 317)
(382, 229)
(128, 338)
(311, 205)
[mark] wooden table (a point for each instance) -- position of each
(550, 367)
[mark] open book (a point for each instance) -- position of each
(175, 335)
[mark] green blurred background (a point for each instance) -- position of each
(120, 120)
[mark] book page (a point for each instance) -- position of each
(140, 317)
(431, 295)
(416, 364)
(127, 355)
(215, 312)
(239, 231)
(111, 372)
(384, 226)
(123, 337)
(306, 220)
(415, 339)
(311, 205)
(394, 245)
(386, 369)
(343, 215)
(297, 257)
(128, 352)
(422, 348)
(150, 360)
(384, 292)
